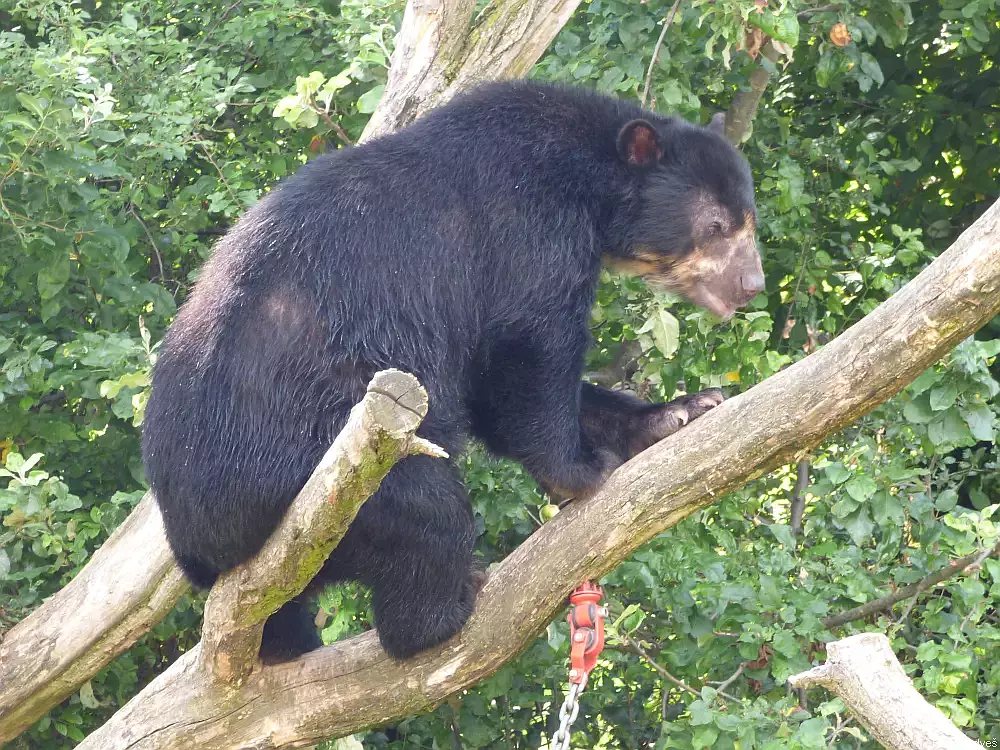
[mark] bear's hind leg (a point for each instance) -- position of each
(289, 632)
(412, 545)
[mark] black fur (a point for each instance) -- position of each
(464, 249)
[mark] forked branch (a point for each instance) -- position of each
(864, 673)
(379, 432)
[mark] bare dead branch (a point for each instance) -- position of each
(864, 673)
(731, 679)
(656, 51)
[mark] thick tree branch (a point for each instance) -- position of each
(885, 603)
(353, 685)
(379, 432)
(129, 585)
(743, 107)
(438, 54)
(864, 673)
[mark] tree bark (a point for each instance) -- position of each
(353, 685)
(129, 585)
(863, 672)
(743, 108)
(438, 53)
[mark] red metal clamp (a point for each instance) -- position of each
(586, 631)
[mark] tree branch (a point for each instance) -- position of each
(743, 107)
(656, 51)
(633, 646)
(129, 585)
(798, 499)
(438, 54)
(378, 433)
(864, 673)
(353, 685)
(886, 603)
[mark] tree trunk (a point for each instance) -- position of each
(438, 54)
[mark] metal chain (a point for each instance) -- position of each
(567, 715)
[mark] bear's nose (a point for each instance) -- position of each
(753, 281)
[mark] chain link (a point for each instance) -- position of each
(567, 715)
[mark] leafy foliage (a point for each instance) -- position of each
(133, 133)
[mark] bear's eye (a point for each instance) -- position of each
(714, 229)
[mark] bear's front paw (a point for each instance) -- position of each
(668, 418)
(698, 403)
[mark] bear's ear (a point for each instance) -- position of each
(717, 124)
(639, 144)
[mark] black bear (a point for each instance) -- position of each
(464, 249)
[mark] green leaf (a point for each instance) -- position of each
(87, 696)
(886, 508)
(871, 68)
(786, 644)
(32, 104)
(370, 99)
(700, 713)
(837, 472)
(929, 377)
(946, 500)
(861, 488)
(981, 421)
(783, 533)
(943, 397)
(826, 69)
(107, 136)
(989, 349)
(665, 331)
(53, 278)
(307, 86)
(918, 411)
(22, 121)
(29, 464)
(859, 525)
(67, 504)
(705, 737)
(787, 27)
(812, 733)
(950, 429)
